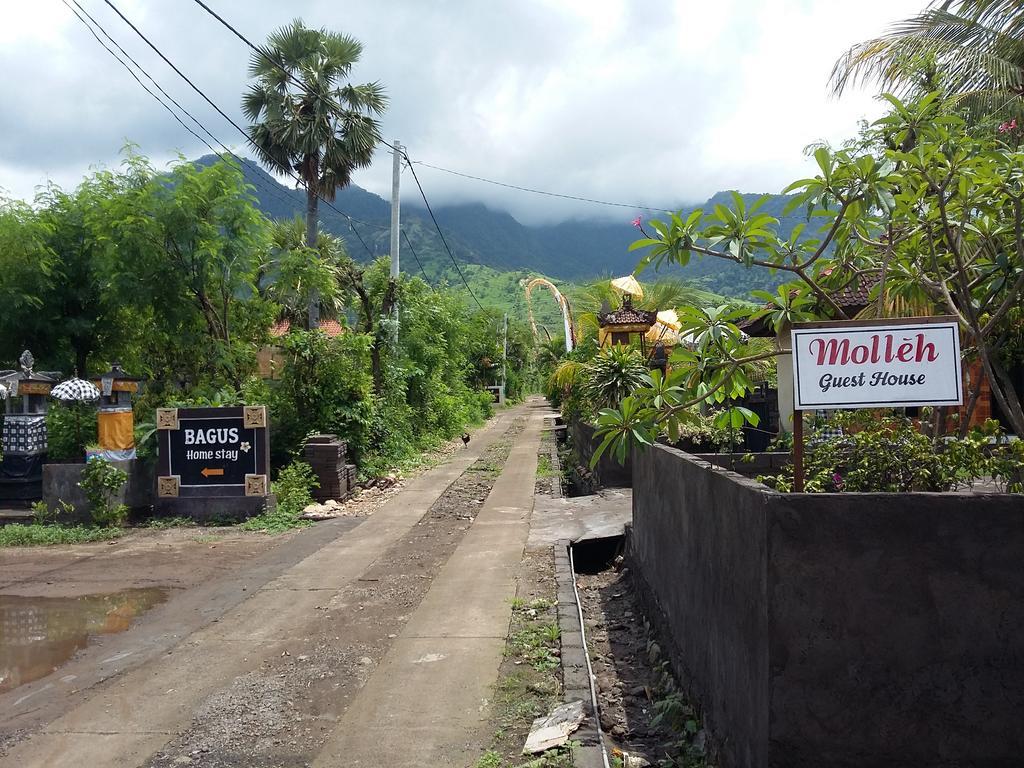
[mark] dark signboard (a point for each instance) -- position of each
(213, 452)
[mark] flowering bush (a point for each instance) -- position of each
(890, 454)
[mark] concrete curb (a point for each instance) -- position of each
(576, 682)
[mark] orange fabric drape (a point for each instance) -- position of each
(115, 430)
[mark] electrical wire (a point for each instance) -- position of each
(224, 149)
(130, 72)
(223, 114)
(540, 191)
(439, 232)
(412, 250)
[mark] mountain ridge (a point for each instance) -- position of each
(573, 250)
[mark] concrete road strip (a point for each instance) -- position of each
(427, 700)
(124, 721)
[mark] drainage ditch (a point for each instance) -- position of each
(643, 714)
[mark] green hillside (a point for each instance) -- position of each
(574, 250)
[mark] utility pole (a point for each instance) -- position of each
(396, 225)
(504, 355)
(396, 207)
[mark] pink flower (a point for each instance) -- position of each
(637, 222)
(1007, 127)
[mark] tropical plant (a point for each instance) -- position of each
(293, 274)
(100, 482)
(973, 50)
(944, 220)
(613, 374)
(306, 121)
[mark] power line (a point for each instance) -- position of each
(408, 242)
(138, 66)
(439, 232)
(130, 72)
(284, 70)
(223, 114)
(540, 191)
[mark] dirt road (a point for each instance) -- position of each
(320, 648)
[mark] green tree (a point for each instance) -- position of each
(293, 274)
(182, 250)
(28, 271)
(373, 298)
(941, 223)
(971, 49)
(306, 121)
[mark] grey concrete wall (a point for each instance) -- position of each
(609, 472)
(699, 543)
(897, 630)
(838, 629)
(60, 482)
(748, 464)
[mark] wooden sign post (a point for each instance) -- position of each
(798, 451)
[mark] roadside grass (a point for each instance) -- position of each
(529, 686)
(492, 462)
(277, 520)
(48, 534)
(163, 523)
(544, 468)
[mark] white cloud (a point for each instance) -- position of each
(634, 100)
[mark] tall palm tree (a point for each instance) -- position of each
(971, 49)
(306, 119)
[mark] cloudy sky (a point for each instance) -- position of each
(642, 101)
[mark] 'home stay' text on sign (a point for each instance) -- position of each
(208, 452)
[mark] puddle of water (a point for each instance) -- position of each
(38, 634)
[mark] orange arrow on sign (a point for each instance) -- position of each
(207, 472)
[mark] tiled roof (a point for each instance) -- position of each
(858, 295)
(627, 314)
(330, 327)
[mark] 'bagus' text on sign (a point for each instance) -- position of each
(213, 451)
(874, 364)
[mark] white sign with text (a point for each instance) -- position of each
(894, 363)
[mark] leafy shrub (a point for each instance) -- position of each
(613, 374)
(70, 427)
(100, 481)
(42, 514)
(890, 454)
(325, 386)
(293, 489)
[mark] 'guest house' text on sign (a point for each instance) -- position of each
(871, 364)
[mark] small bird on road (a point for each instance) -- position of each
(465, 438)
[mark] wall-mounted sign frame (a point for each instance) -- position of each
(213, 452)
(877, 364)
(855, 364)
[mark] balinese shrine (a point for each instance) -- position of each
(24, 437)
(621, 325)
(115, 421)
